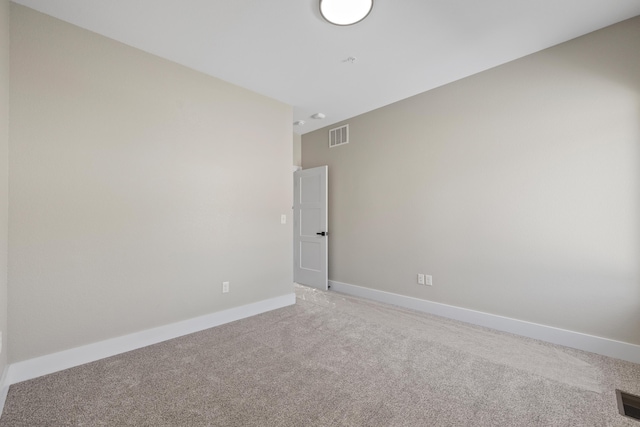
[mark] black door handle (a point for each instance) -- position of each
(322, 233)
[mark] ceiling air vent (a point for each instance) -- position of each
(339, 136)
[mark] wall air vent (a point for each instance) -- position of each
(339, 136)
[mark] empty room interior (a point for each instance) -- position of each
(476, 261)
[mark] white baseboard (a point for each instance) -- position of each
(4, 388)
(590, 343)
(33, 368)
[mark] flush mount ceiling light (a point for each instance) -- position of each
(345, 12)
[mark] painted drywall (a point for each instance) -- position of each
(4, 174)
(137, 187)
(517, 189)
(297, 149)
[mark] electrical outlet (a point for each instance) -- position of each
(428, 280)
(420, 279)
(225, 287)
(283, 219)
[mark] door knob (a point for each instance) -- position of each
(322, 233)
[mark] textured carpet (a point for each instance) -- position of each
(334, 360)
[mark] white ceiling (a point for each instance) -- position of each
(284, 49)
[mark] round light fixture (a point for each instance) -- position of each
(345, 12)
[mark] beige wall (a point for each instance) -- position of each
(518, 189)
(137, 187)
(297, 149)
(4, 171)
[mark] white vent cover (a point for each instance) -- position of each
(338, 136)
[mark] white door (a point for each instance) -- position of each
(310, 240)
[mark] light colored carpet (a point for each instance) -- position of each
(334, 360)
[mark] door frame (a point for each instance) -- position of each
(317, 278)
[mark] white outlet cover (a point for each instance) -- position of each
(225, 287)
(429, 281)
(283, 219)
